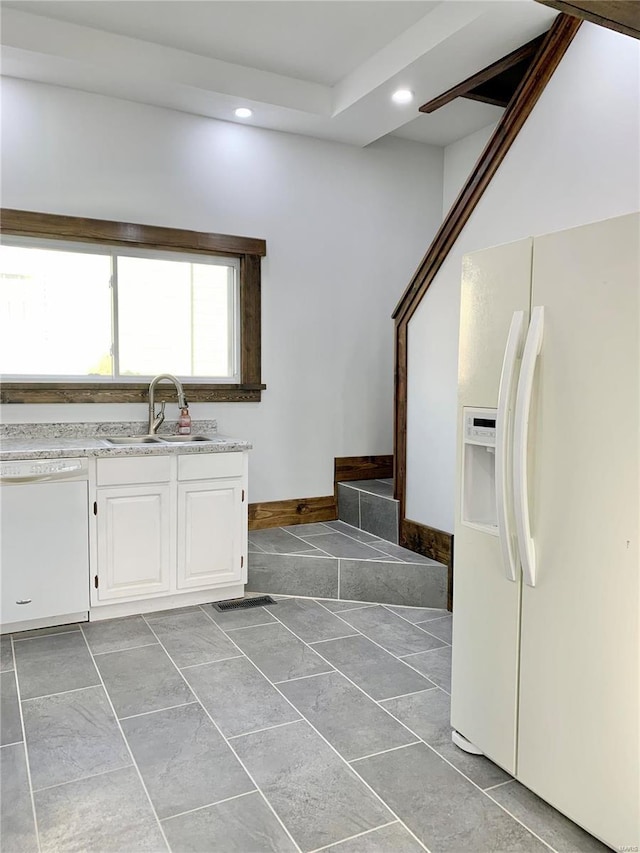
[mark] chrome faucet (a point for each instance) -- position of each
(155, 419)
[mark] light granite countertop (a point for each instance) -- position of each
(58, 441)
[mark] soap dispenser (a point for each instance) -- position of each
(184, 421)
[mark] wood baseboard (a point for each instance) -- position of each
(309, 510)
(294, 511)
(432, 543)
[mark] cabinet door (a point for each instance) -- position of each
(134, 529)
(578, 741)
(209, 533)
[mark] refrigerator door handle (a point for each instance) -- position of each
(512, 352)
(532, 347)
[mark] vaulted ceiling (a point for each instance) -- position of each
(323, 68)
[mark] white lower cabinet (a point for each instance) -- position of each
(135, 541)
(182, 533)
(209, 533)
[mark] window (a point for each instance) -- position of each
(96, 320)
(68, 312)
(188, 326)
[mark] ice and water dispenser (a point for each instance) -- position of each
(479, 470)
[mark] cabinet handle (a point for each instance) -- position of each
(23, 601)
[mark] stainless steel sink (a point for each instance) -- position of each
(133, 439)
(185, 438)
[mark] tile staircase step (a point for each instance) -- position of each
(383, 488)
(346, 563)
(370, 506)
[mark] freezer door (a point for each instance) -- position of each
(486, 603)
(578, 744)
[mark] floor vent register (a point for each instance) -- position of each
(243, 603)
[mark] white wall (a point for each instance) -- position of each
(575, 161)
(433, 389)
(459, 159)
(345, 229)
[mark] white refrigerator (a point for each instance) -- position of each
(546, 604)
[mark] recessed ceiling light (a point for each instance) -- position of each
(402, 96)
(244, 112)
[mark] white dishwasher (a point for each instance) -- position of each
(44, 543)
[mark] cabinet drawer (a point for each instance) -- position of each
(200, 466)
(133, 469)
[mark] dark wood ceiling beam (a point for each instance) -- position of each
(623, 16)
(527, 51)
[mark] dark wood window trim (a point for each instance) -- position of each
(547, 59)
(248, 250)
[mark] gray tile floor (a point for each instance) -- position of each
(303, 726)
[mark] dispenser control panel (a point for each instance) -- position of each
(479, 470)
(480, 426)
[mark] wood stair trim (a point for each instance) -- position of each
(547, 59)
(526, 96)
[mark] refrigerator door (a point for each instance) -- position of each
(578, 738)
(486, 603)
